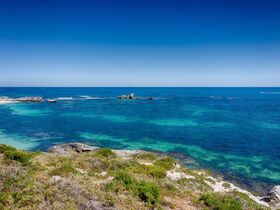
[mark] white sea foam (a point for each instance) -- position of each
(64, 98)
(90, 97)
(269, 92)
(7, 102)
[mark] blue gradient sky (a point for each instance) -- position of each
(139, 43)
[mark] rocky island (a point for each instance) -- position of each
(132, 96)
(79, 176)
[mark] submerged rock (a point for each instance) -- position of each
(50, 101)
(69, 148)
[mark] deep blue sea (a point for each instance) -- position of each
(235, 131)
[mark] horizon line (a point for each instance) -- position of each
(139, 86)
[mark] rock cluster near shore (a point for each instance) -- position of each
(35, 99)
(30, 99)
(68, 149)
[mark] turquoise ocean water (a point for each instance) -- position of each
(235, 131)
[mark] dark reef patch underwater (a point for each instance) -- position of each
(234, 131)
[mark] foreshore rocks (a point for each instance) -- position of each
(70, 148)
(273, 197)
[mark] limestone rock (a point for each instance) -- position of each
(273, 197)
(129, 96)
(74, 147)
(30, 99)
(127, 154)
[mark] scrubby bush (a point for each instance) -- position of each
(125, 178)
(11, 153)
(148, 192)
(226, 185)
(20, 156)
(4, 148)
(216, 201)
(64, 170)
(4, 197)
(155, 171)
(105, 152)
(166, 163)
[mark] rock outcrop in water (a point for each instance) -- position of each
(51, 101)
(30, 99)
(35, 99)
(131, 96)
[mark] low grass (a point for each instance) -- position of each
(167, 163)
(105, 152)
(149, 192)
(152, 170)
(145, 156)
(226, 185)
(12, 154)
(26, 183)
(216, 201)
(64, 170)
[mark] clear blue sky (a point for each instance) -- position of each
(139, 43)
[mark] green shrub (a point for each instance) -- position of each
(226, 185)
(20, 156)
(4, 148)
(125, 178)
(4, 197)
(166, 163)
(64, 170)
(122, 181)
(12, 153)
(217, 201)
(105, 152)
(157, 172)
(148, 192)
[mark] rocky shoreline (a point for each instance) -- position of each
(80, 176)
(271, 200)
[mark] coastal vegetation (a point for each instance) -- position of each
(82, 178)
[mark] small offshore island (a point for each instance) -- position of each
(79, 176)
